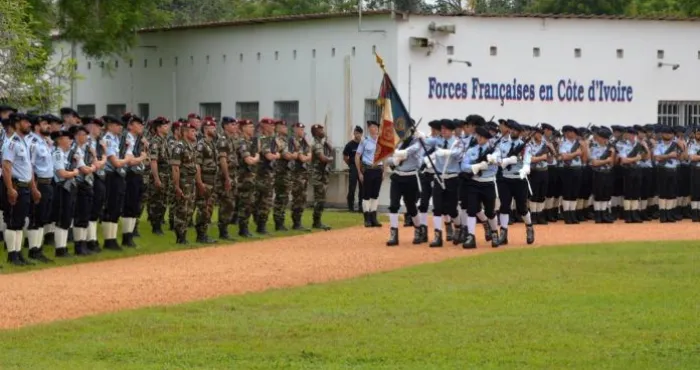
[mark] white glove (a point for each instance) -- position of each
(476, 168)
(491, 158)
(426, 160)
(400, 155)
(442, 152)
(419, 135)
(522, 174)
(526, 169)
(508, 161)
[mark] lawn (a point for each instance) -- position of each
(149, 243)
(625, 306)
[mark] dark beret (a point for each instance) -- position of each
(16, 117)
(5, 108)
(135, 119)
(458, 122)
(159, 121)
(448, 124)
(189, 125)
(227, 119)
(244, 122)
(502, 121)
(61, 133)
(75, 129)
(568, 128)
(483, 132)
(631, 130)
(281, 122)
(513, 125)
(663, 129)
(604, 132)
(547, 126)
(370, 123)
(435, 124)
(679, 129)
(193, 115)
(69, 111)
(111, 119)
(301, 125)
(617, 128)
(492, 126)
(358, 129)
(126, 117)
(639, 128)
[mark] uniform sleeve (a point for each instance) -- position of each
(59, 162)
(430, 142)
(176, 158)
(222, 147)
(282, 145)
(360, 148)
(414, 148)
(527, 157)
(8, 152)
(265, 147)
(112, 146)
(317, 149)
(154, 149)
(200, 149)
(243, 149)
(130, 142)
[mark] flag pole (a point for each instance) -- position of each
(438, 175)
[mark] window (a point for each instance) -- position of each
(210, 109)
(86, 109)
(536, 52)
(679, 113)
(620, 53)
(493, 50)
(450, 50)
(144, 110)
(116, 110)
(372, 111)
(287, 111)
(248, 110)
(659, 54)
(577, 53)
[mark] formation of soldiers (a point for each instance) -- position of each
(62, 176)
(500, 173)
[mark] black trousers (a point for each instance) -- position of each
(133, 196)
(667, 183)
(602, 186)
(445, 200)
(116, 187)
(683, 181)
(15, 214)
(695, 184)
(83, 205)
(647, 187)
(405, 187)
(66, 206)
(632, 183)
(474, 194)
(426, 184)
(584, 191)
(99, 193)
(554, 182)
(570, 183)
(40, 214)
(372, 183)
(354, 183)
(539, 181)
(618, 182)
(509, 189)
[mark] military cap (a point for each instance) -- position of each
(631, 130)
(193, 115)
(594, 128)
(208, 122)
(483, 132)
(159, 121)
(370, 123)
(358, 129)
(663, 129)
(639, 128)
(515, 126)
(51, 118)
(266, 121)
(68, 111)
(86, 119)
(475, 119)
(75, 129)
(679, 129)
(135, 119)
(603, 132)
(434, 124)
(458, 122)
(111, 119)
(617, 128)
(569, 128)
(244, 122)
(280, 122)
(188, 125)
(16, 117)
(61, 133)
(177, 125)
(502, 121)
(317, 127)
(5, 108)
(547, 126)
(126, 117)
(301, 125)
(538, 129)
(227, 119)
(492, 126)
(448, 124)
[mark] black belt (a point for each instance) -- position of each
(20, 184)
(371, 166)
(44, 181)
(540, 169)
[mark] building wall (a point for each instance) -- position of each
(556, 67)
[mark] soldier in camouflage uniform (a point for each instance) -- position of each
(207, 170)
(184, 170)
(227, 147)
(299, 175)
(249, 153)
(173, 141)
(282, 173)
(159, 191)
(266, 173)
(320, 160)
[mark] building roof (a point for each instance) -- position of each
(316, 16)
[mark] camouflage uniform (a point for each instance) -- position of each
(265, 185)
(246, 184)
(282, 180)
(185, 156)
(207, 159)
(172, 144)
(319, 180)
(227, 148)
(159, 199)
(299, 183)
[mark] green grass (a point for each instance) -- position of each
(626, 306)
(149, 243)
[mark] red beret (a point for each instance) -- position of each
(280, 122)
(189, 125)
(244, 122)
(209, 122)
(193, 115)
(267, 121)
(177, 125)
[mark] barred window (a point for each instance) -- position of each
(86, 109)
(372, 111)
(287, 111)
(210, 109)
(116, 110)
(144, 111)
(248, 110)
(679, 113)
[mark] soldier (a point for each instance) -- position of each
(404, 184)
(629, 155)
(265, 177)
(349, 158)
(207, 171)
(681, 207)
(300, 176)
(173, 141)
(159, 189)
(184, 171)
(5, 112)
(551, 203)
(226, 185)
(249, 153)
(666, 157)
(136, 153)
(540, 151)
(99, 186)
(283, 179)
(646, 167)
(18, 180)
(693, 155)
(321, 157)
(370, 174)
(115, 182)
(70, 118)
(618, 180)
(427, 177)
(570, 157)
(602, 155)
(84, 190)
(42, 161)
(66, 162)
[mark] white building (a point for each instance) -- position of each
(321, 68)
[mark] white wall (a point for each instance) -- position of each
(515, 39)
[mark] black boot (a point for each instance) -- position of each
(49, 239)
(38, 254)
(351, 206)
(296, 221)
(687, 214)
(437, 241)
(678, 214)
(417, 235)
(79, 249)
(128, 240)
(373, 219)
(552, 215)
(181, 238)
(627, 216)
(368, 222)
(157, 229)
(13, 258)
(695, 215)
(487, 230)
(469, 242)
(320, 225)
(94, 246)
(393, 237)
(529, 234)
(460, 234)
(70, 235)
(112, 244)
(495, 239)
(636, 218)
(62, 253)
(261, 227)
(503, 239)
(279, 225)
(136, 233)
(449, 232)
(567, 218)
(423, 234)
(598, 217)
(20, 256)
(203, 238)
(407, 220)
(663, 216)
(223, 232)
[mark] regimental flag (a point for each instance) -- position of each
(396, 123)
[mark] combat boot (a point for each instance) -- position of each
(529, 234)
(407, 221)
(80, 249)
(636, 218)
(598, 217)
(319, 225)
(487, 230)
(368, 223)
(469, 242)
(437, 241)
(203, 238)
(157, 229)
(243, 229)
(20, 256)
(373, 219)
(223, 232)
(128, 240)
(279, 225)
(296, 221)
(417, 234)
(13, 258)
(62, 253)
(695, 215)
(627, 215)
(111, 244)
(181, 238)
(261, 227)
(49, 239)
(94, 246)
(460, 234)
(393, 237)
(38, 254)
(663, 216)
(503, 239)
(449, 232)
(542, 219)
(135, 233)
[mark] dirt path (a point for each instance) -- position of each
(188, 275)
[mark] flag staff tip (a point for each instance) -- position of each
(380, 61)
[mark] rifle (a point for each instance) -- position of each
(88, 161)
(254, 149)
(137, 152)
(519, 148)
(70, 183)
(671, 148)
(122, 152)
(292, 148)
(304, 148)
(327, 152)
